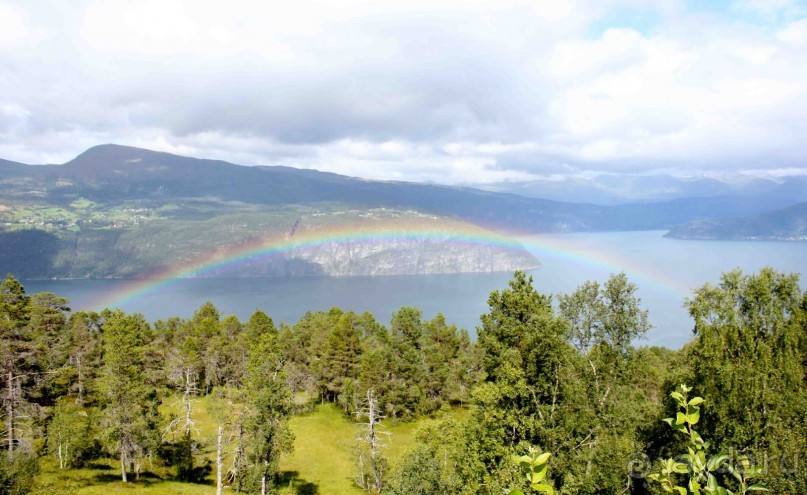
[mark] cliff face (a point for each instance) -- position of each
(262, 244)
(387, 257)
(410, 257)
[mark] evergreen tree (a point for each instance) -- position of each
(83, 350)
(15, 352)
(407, 387)
(340, 367)
(129, 426)
(269, 404)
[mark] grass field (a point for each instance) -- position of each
(322, 461)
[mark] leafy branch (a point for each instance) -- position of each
(700, 472)
(533, 466)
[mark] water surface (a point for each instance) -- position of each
(665, 270)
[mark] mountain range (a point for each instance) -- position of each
(614, 189)
(786, 224)
(118, 211)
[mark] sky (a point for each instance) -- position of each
(470, 92)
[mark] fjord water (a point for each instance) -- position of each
(665, 271)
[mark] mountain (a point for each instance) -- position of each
(787, 224)
(118, 211)
(612, 189)
(111, 173)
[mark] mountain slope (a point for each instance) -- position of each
(111, 173)
(623, 189)
(785, 224)
(117, 211)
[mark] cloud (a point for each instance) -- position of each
(456, 92)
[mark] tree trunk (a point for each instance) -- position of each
(263, 484)
(219, 462)
(61, 460)
(10, 412)
(80, 382)
(123, 466)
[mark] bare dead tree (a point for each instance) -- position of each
(372, 465)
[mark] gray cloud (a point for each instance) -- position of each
(439, 91)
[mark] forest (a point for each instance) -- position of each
(555, 394)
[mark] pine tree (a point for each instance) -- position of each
(15, 350)
(341, 359)
(129, 416)
(269, 404)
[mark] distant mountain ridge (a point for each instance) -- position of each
(114, 173)
(118, 211)
(608, 189)
(787, 224)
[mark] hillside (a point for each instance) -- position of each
(614, 189)
(134, 240)
(117, 211)
(788, 224)
(113, 174)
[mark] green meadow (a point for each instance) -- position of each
(321, 463)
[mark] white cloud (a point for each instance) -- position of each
(16, 30)
(794, 33)
(426, 90)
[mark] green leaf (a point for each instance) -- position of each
(694, 416)
(515, 492)
(757, 488)
(716, 461)
(541, 459)
(681, 490)
(680, 418)
(711, 483)
(696, 401)
(681, 428)
(677, 396)
(681, 468)
(543, 488)
(537, 476)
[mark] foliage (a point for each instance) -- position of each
(17, 474)
(533, 466)
(129, 418)
(269, 405)
(749, 351)
(701, 473)
(562, 379)
(69, 435)
(83, 386)
(434, 465)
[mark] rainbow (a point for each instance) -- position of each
(262, 248)
(569, 249)
(548, 248)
